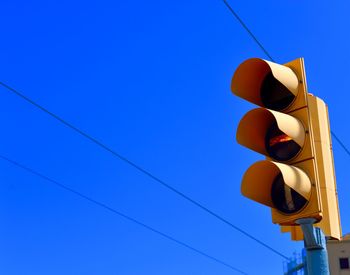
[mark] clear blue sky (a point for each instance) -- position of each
(151, 79)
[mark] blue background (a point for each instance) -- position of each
(150, 79)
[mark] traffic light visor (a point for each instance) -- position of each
(265, 83)
(273, 134)
(259, 184)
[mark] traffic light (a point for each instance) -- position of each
(291, 128)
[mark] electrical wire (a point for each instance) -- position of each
(102, 205)
(341, 143)
(139, 168)
(248, 30)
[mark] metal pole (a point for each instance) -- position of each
(316, 250)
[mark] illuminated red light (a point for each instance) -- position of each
(279, 139)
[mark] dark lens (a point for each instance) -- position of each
(274, 94)
(284, 198)
(280, 146)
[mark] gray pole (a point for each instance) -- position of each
(316, 250)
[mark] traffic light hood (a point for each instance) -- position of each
(258, 179)
(253, 127)
(248, 80)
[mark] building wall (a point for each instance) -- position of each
(339, 253)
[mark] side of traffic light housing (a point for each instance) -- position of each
(292, 130)
(330, 222)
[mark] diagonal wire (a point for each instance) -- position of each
(341, 143)
(269, 56)
(139, 168)
(106, 207)
(247, 29)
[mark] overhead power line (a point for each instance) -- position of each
(120, 214)
(139, 168)
(247, 29)
(341, 143)
(271, 59)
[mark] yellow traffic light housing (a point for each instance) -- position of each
(292, 130)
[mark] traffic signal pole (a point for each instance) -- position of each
(290, 127)
(315, 245)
